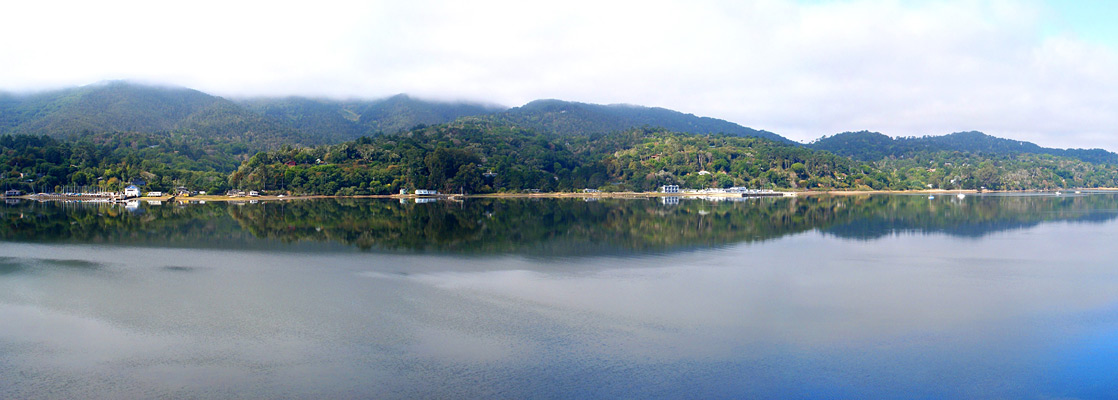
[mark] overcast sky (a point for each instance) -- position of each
(1042, 71)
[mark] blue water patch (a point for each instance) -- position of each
(1086, 366)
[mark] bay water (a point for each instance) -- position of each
(872, 296)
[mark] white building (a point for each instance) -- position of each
(669, 189)
(154, 194)
(131, 191)
(426, 192)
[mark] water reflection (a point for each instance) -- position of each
(545, 227)
(1027, 314)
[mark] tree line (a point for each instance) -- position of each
(486, 156)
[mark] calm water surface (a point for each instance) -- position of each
(823, 297)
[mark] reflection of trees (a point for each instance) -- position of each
(168, 225)
(530, 226)
(871, 217)
(489, 225)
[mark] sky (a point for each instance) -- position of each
(1041, 71)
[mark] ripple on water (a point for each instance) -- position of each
(10, 265)
(76, 264)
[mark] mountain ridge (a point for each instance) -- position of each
(118, 106)
(570, 117)
(261, 123)
(269, 122)
(356, 118)
(874, 146)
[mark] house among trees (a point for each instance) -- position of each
(426, 192)
(12, 193)
(131, 191)
(669, 189)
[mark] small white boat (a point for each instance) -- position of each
(931, 197)
(1058, 193)
(961, 196)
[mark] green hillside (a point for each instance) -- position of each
(112, 133)
(119, 107)
(339, 121)
(400, 113)
(268, 123)
(485, 156)
(36, 164)
(873, 146)
(571, 118)
(479, 156)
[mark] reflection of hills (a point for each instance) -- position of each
(877, 228)
(518, 226)
(551, 227)
(973, 217)
(205, 226)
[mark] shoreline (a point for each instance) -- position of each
(632, 195)
(560, 195)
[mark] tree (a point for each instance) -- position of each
(467, 179)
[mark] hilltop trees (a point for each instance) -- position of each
(43, 164)
(482, 156)
(479, 156)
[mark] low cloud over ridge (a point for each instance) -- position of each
(801, 69)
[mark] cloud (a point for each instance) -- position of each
(800, 69)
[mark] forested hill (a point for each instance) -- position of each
(113, 107)
(109, 108)
(474, 155)
(873, 146)
(566, 118)
(172, 137)
(355, 118)
(400, 113)
(477, 156)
